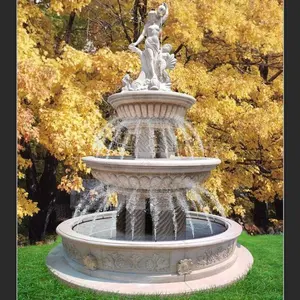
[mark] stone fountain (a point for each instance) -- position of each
(152, 243)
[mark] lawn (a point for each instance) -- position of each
(264, 281)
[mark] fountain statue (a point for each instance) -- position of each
(154, 242)
(155, 59)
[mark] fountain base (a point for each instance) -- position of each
(100, 261)
(211, 278)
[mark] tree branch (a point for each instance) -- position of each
(216, 128)
(274, 76)
(178, 49)
(123, 24)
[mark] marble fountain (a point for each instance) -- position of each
(152, 243)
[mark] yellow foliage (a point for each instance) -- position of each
(229, 58)
(25, 206)
(113, 199)
(71, 182)
(239, 210)
(67, 6)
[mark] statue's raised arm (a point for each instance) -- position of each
(163, 12)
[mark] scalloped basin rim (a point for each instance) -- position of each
(161, 162)
(153, 95)
(65, 229)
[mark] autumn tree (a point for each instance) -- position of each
(73, 54)
(60, 89)
(231, 61)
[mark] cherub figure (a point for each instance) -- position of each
(127, 83)
(165, 62)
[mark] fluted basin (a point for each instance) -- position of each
(151, 104)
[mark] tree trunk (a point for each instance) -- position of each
(46, 200)
(278, 208)
(135, 20)
(48, 189)
(62, 207)
(264, 69)
(33, 189)
(32, 184)
(260, 214)
(143, 10)
(69, 27)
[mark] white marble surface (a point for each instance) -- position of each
(154, 174)
(148, 261)
(60, 268)
(151, 104)
(65, 229)
(137, 166)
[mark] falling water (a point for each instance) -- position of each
(116, 136)
(154, 212)
(131, 208)
(166, 146)
(102, 132)
(92, 202)
(172, 208)
(173, 138)
(151, 140)
(182, 201)
(79, 207)
(201, 203)
(124, 144)
(102, 207)
(108, 124)
(214, 200)
(196, 135)
(88, 199)
(186, 139)
(209, 223)
(137, 133)
(121, 204)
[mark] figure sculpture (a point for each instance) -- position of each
(155, 58)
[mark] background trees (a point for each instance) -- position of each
(72, 56)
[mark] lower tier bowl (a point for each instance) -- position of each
(148, 267)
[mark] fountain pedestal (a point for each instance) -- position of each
(170, 224)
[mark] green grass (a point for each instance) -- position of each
(264, 281)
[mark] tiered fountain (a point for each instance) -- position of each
(152, 243)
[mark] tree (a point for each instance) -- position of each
(59, 90)
(231, 61)
(73, 54)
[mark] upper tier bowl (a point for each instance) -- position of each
(151, 104)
